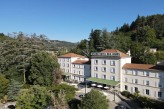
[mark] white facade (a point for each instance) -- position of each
(75, 71)
(148, 83)
(108, 67)
(80, 71)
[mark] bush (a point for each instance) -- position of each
(26, 86)
(127, 94)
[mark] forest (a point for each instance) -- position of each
(138, 37)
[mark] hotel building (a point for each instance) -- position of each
(74, 66)
(145, 78)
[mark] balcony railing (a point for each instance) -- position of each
(104, 54)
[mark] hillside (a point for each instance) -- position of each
(155, 22)
(143, 33)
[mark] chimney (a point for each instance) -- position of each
(128, 53)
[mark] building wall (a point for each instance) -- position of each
(65, 64)
(111, 72)
(153, 81)
(122, 62)
(77, 72)
(87, 70)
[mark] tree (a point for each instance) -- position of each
(35, 98)
(94, 100)
(59, 100)
(68, 90)
(13, 90)
(4, 83)
(95, 40)
(41, 69)
(105, 39)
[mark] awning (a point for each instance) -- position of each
(93, 84)
(106, 87)
(100, 86)
(103, 81)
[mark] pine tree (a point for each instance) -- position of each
(13, 90)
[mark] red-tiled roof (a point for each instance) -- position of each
(81, 62)
(143, 67)
(68, 55)
(115, 51)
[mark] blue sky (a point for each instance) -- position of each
(72, 20)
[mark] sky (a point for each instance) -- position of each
(72, 20)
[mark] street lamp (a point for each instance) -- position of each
(85, 85)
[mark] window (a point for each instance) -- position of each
(96, 61)
(104, 62)
(67, 60)
(63, 60)
(136, 89)
(78, 66)
(96, 75)
(73, 65)
(67, 65)
(81, 66)
(146, 73)
(63, 65)
(112, 78)
(159, 75)
(103, 69)
(147, 83)
(74, 71)
(136, 81)
(135, 72)
(103, 76)
(79, 72)
(159, 85)
(79, 78)
(112, 70)
(96, 68)
(159, 94)
(112, 63)
(126, 87)
(147, 92)
(126, 71)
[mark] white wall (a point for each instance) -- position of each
(153, 78)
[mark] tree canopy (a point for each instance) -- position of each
(35, 98)
(41, 69)
(94, 100)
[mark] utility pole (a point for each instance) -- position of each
(85, 85)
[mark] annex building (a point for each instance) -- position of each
(113, 69)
